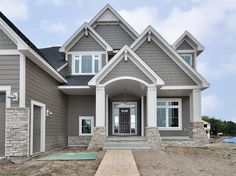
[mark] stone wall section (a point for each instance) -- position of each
(98, 138)
(198, 133)
(17, 121)
(79, 140)
(153, 137)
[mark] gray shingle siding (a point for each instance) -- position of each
(79, 105)
(114, 35)
(126, 69)
(87, 44)
(184, 46)
(43, 88)
(10, 73)
(163, 65)
(6, 42)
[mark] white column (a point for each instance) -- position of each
(22, 80)
(196, 103)
(107, 115)
(100, 106)
(142, 115)
(151, 106)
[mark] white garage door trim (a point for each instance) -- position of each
(42, 125)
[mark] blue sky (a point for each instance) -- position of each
(213, 22)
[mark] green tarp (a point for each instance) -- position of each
(70, 156)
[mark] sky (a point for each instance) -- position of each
(212, 22)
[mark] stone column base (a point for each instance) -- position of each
(153, 137)
(198, 133)
(17, 126)
(98, 139)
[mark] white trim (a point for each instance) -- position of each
(22, 80)
(9, 52)
(73, 87)
(179, 106)
(125, 78)
(108, 7)
(179, 87)
(61, 67)
(107, 115)
(80, 125)
(134, 58)
(189, 70)
(6, 89)
(95, 35)
(79, 57)
(186, 33)
(142, 115)
(42, 125)
(185, 51)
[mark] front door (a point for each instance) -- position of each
(124, 120)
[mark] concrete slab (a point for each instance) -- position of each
(118, 163)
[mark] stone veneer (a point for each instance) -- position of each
(198, 133)
(17, 121)
(153, 137)
(97, 139)
(79, 140)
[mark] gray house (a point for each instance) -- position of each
(107, 86)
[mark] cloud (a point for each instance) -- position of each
(223, 68)
(17, 9)
(54, 2)
(53, 27)
(211, 104)
(204, 19)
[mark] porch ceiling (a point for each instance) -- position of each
(126, 87)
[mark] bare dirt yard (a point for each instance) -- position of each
(52, 168)
(217, 160)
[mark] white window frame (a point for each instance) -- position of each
(80, 125)
(187, 54)
(179, 106)
(80, 54)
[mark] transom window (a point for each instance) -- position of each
(86, 64)
(86, 124)
(188, 58)
(169, 114)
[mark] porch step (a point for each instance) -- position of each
(176, 138)
(130, 142)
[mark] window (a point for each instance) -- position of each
(86, 64)
(188, 58)
(169, 114)
(86, 124)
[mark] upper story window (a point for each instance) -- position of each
(188, 58)
(86, 63)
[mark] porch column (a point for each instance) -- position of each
(100, 106)
(151, 106)
(198, 133)
(99, 134)
(152, 133)
(196, 103)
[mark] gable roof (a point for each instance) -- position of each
(80, 32)
(54, 57)
(29, 46)
(192, 73)
(199, 48)
(115, 14)
(114, 61)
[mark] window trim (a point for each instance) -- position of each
(167, 106)
(80, 54)
(80, 125)
(187, 54)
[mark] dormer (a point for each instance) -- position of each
(189, 48)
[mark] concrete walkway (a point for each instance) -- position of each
(118, 163)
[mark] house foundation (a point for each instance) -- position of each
(17, 131)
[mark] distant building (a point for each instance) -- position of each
(207, 128)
